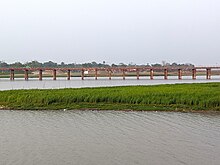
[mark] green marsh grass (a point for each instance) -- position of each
(204, 96)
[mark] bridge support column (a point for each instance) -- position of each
(26, 74)
(208, 73)
(54, 74)
(82, 74)
(180, 74)
(96, 73)
(151, 74)
(165, 74)
(40, 74)
(109, 74)
(193, 74)
(68, 74)
(12, 74)
(138, 74)
(123, 74)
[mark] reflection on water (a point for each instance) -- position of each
(76, 82)
(108, 137)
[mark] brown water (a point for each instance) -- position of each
(76, 82)
(108, 137)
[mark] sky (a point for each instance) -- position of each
(114, 31)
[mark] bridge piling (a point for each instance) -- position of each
(96, 74)
(208, 73)
(193, 74)
(26, 74)
(138, 74)
(68, 74)
(151, 74)
(180, 74)
(123, 74)
(40, 74)
(109, 74)
(12, 74)
(54, 74)
(82, 74)
(165, 74)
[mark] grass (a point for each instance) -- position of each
(178, 97)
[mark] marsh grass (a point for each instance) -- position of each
(159, 97)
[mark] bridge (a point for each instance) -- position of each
(120, 70)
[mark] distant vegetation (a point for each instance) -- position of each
(50, 64)
(178, 97)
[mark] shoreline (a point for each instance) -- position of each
(121, 110)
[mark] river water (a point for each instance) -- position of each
(76, 82)
(109, 137)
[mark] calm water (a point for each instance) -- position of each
(108, 137)
(47, 83)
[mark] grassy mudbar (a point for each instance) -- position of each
(175, 97)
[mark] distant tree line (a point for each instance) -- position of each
(50, 64)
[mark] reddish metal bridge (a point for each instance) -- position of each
(121, 70)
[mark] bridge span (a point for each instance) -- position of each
(121, 71)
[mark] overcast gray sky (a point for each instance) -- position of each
(138, 31)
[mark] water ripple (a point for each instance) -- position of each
(108, 137)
